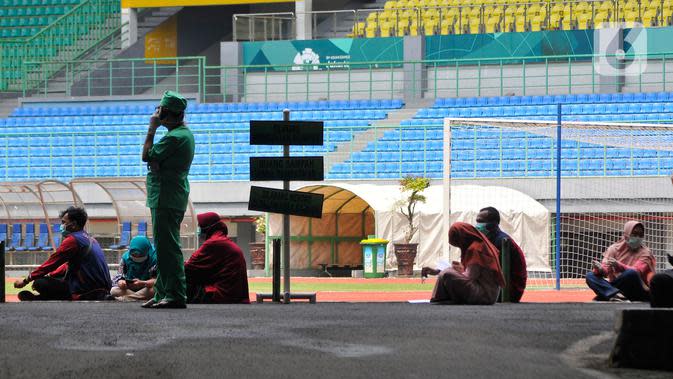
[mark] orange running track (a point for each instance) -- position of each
(530, 296)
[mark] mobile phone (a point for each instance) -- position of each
(160, 112)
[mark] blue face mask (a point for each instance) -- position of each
(482, 227)
(635, 242)
(63, 230)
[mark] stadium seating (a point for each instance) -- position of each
(472, 17)
(221, 132)
(417, 147)
(24, 18)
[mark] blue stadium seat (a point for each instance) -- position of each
(3, 232)
(15, 241)
(124, 238)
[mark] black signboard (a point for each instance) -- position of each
(285, 202)
(279, 168)
(286, 132)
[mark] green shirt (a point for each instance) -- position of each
(168, 187)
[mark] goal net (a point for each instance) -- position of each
(610, 173)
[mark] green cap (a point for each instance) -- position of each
(173, 101)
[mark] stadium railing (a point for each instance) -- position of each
(540, 75)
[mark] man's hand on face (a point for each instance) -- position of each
(155, 121)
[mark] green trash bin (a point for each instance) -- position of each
(374, 257)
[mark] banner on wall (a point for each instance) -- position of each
(162, 42)
(502, 45)
(338, 53)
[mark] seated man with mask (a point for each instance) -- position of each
(488, 222)
(216, 272)
(79, 258)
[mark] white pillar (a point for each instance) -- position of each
(304, 25)
(129, 15)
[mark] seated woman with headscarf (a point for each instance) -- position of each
(137, 272)
(216, 272)
(477, 278)
(628, 266)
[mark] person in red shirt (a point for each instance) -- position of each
(75, 271)
(216, 272)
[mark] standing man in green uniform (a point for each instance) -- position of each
(168, 164)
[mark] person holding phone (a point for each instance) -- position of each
(477, 278)
(137, 272)
(626, 269)
(168, 163)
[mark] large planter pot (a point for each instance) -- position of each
(406, 255)
(257, 255)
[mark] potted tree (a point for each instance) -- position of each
(412, 189)
(258, 249)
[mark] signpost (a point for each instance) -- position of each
(284, 201)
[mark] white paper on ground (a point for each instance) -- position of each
(420, 301)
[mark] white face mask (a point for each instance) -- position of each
(138, 259)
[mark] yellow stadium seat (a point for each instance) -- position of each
(370, 31)
(429, 27)
(430, 13)
(600, 18)
(583, 21)
(554, 21)
(445, 27)
(390, 4)
(401, 4)
(631, 16)
(474, 26)
(373, 17)
(432, 3)
(520, 25)
(520, 11)
(475, 12)
(533, 10)
(568, 23)
(536, 23)
(496, 11)
(606, 6)
(413, 28)
(402, 28)
(492, 24)
(581, 7)
(650, 18)
(557, 9)
(386, 29)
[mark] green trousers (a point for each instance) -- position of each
(170, 284)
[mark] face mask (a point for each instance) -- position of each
(138, 259)
(63, 230)
(482, 227)
(635, 242)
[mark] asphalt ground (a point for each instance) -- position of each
(327, 340)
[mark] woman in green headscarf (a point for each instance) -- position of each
(137, 272)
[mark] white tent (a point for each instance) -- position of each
(526, 220)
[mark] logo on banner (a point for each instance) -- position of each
(613, 60)
(306, 57)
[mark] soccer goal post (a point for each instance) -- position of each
(607, 174)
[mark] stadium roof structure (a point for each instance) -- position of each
(128, 196)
